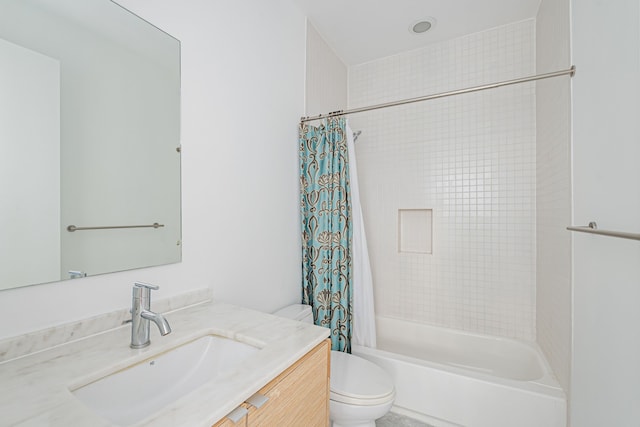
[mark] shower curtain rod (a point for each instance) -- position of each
(571, 71)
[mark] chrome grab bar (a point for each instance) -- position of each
(593, 229)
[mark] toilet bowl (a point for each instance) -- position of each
(360, 391)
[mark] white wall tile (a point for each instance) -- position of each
(553, 199)
(472, 159)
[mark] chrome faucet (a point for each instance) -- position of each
(141, 314)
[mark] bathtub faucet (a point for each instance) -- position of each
(141, 315)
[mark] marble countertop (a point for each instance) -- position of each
(35, 389)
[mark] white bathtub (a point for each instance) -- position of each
(450, 378)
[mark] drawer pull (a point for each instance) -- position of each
(257, 400)
(237, 414)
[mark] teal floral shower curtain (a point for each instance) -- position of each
(326, 228)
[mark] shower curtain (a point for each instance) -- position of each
(326, 228)
(364, 321)
(328, 238)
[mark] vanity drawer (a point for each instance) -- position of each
(299, 396)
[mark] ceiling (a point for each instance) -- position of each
(363, 30)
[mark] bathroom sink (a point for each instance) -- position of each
(132, 394)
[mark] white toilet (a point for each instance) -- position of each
(361, 392)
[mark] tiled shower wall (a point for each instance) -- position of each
(553, 181)
(472, 160)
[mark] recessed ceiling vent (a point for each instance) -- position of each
(422, 26)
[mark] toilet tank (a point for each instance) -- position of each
(300, 312)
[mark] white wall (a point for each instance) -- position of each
(30, 191)
(326, 82)
(605, 376)
(553, 188)
(470, 158)
(242, 95)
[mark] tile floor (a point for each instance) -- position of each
(395, 420)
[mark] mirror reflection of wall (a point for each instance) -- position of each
(30, 191)
(89, 131)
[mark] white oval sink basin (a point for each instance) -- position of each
(132, 394)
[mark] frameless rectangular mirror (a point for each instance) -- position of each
(89, 137)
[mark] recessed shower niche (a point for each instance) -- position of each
(415, 231)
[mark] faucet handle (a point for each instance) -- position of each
(143, 291)
(146, 285)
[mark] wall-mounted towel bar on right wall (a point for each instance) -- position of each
(593, 229)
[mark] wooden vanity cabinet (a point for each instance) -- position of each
(299, 396)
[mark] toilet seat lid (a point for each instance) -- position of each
(358, 381)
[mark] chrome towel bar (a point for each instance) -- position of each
(593, 229)
(73, 228)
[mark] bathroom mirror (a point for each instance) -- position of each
(89, 137)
